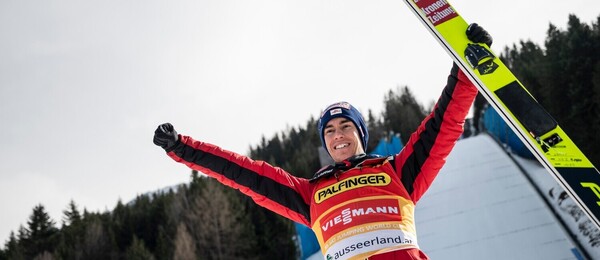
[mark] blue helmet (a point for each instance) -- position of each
(343, 109)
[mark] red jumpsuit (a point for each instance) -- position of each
(362, 207)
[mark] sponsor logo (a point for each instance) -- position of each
(348, 214)
(335, 111)
(366, 244)
(379, 179)
(373, 212)
(339, 105)
(437, 11)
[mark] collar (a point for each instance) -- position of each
(352, 162)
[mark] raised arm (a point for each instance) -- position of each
(425, 152)
(270, 187)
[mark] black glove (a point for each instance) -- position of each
(477, 34)
(166, 137)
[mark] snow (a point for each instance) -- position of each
(481, 206)
(584, 231)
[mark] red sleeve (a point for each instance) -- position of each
(425, 152)
(270, 187)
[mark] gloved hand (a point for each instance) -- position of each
(477, 34)
(166, 137)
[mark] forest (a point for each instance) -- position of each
(205, 220)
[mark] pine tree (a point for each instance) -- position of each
(71, 214)
(185, 248)
(40, 234)
(571, 57)
(164, 242)
(96, 243)
(402, 113)
(138, 251)
(13, 250)
(217, 224)
(376, 131)
(72, 233)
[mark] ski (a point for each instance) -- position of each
(538, 130)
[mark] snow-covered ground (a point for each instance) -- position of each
(482, 206)
(582, 229)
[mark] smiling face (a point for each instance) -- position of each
(342, 139)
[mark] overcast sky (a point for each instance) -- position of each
(83, 84)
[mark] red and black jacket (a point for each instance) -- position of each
(415, 166)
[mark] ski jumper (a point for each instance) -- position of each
(362, 207)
